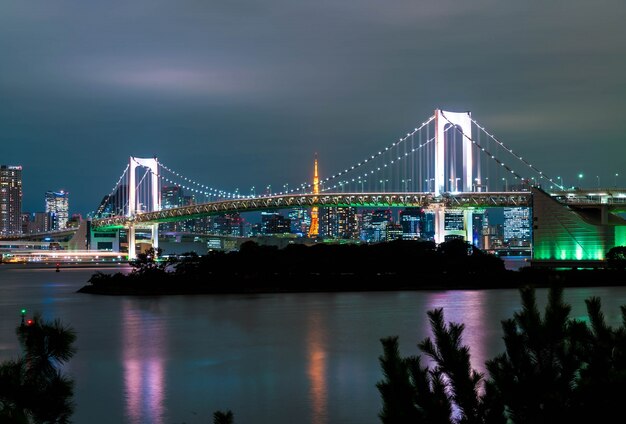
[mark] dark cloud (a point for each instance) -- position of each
(244, 92)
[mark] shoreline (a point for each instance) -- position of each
(538, 278)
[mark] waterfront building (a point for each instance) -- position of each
(57, 203)
(274, 223)
(229, 224)
(428, 232)
(454, 220)
(394, 231)
(10, 199)
(517, 226)
(374, 225)
(479, 220)
(172, 197)
(300, 221)
(339, 223)
(26, 220)
(412, 222)
(42, 222)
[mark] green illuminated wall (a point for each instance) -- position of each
(563, 234)
(620, 235)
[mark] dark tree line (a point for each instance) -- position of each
(554, 369)
(384, 266)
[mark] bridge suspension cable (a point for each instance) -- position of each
(510, 151)
(203, 189)
(369, 159)
(107, 198)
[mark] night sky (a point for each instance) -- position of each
(243, 92)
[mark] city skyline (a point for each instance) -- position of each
(231, 92)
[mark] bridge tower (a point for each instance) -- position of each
(154, 202)
(315, 225)
(462, 120)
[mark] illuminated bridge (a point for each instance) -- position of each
(447, 163)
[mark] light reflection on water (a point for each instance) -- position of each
(316, 369)
(465, 306)
(277, 358)
(143, 356)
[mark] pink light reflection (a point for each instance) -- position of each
(144, 366)
(467, 307)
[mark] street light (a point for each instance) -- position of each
(456, 184)
(405, 184)
(506, 184)
(598, 177)
(382, 182)
(616, 175)
(561, 181)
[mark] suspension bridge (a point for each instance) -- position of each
(448, 162)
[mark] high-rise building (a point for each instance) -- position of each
(300, 221)
(172, 197)
(274, 223)
(374, 225)
(478, 229)
(228, 224)
(339, 223)
(26, 222)
(412, 222)
(57, 203)
(428, 232)
(454, 220)
(10, 199)
(42, 222)
(517, 226)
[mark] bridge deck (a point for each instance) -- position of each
(363, 200)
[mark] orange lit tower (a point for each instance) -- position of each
(315, 225)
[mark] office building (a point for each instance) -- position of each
(228, 224)
(42, 222)
(454, 220)
(412, 222)
(10, 199)
(57, 203)
(517, 226)
(274, 223)
(374, 225)
(339, 223)
(300, 221)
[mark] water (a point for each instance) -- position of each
(274, 358)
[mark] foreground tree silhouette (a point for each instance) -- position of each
(616, 257)
(220, 417)
(32, 388)
(554, 369)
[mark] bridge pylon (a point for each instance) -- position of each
(463, 120)
(153, 204)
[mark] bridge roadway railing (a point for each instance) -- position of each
(363, 200)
